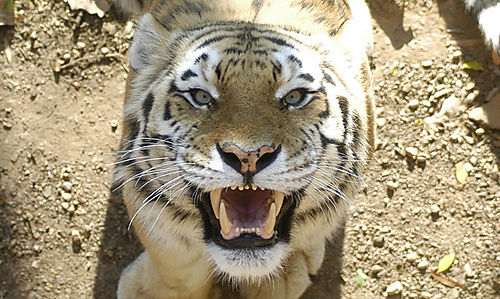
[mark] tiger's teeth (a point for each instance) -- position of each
(240, 188)
(233, 188)
(278, 199)
(257, 230)
(262, 189)
(225, 223)
(270, 220)
(215, 201)
(247, 187)
(254, 187)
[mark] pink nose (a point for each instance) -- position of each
(248, 162)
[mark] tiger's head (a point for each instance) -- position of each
(242, 138)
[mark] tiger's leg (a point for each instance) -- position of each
(171, 276)
(293, 282)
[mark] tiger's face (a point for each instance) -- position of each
(237, 143)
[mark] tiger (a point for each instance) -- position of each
(247, 127)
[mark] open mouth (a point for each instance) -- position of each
(247, 217)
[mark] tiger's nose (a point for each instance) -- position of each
(248, 162)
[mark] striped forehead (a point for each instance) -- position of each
(299, 65)
(195, 71)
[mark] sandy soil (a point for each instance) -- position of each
(63, 235)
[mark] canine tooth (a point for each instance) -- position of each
(233, 187)
(278, 199)
(270, 220)
(215, 201)
(247, 187)
(225, 223)
(257, 230)
(237, 230)
(240, 188)
(254, 187)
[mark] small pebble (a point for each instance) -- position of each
(479, 131)
(114, 124)
(65, 205)
(375, 269)
(80, 45)
(66, 186)
(378, 242)
(412, 257)
(391, 186)
(394, 288)
(413, 105)
(406, 88)
(424, 264)
(422, 157)
(66, 196)
(426, 64)
(425, 295)
(76, 237)
(104, 50)
(411, 152)
(435, 209)
(470, 86)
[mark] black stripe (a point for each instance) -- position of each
(293, 58)
(147, 105)
(213, 40)
(307, 77)
(278, 41)
(166, 113)
(188, 74)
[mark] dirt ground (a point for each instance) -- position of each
(63, 235)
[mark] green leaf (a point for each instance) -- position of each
(473, 65)
(446, 262)
(361, 278)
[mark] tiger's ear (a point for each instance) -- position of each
(148, 37)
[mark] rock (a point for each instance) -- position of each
(488, 114)
(375, 269)
(470, 86)
(451, 106)
(66, 186)
(411, 152)
(435, 209)
(378, 242)
(394, 288)
(468, 270)
(114, 124)
(380, 122)
(425, 295)
(47, 191)
(80, 45)
(453, 294)
(413, 105)
(422, 157)
(411, 257)
(406, 88)
(76, 237)
(479, 131)
(424, 264)
(442, 92)
(391, 186)
(65, 205)
(66, 196)
(104, 50)
(426, 64)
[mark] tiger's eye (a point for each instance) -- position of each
(293, 97)
(202, 96)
